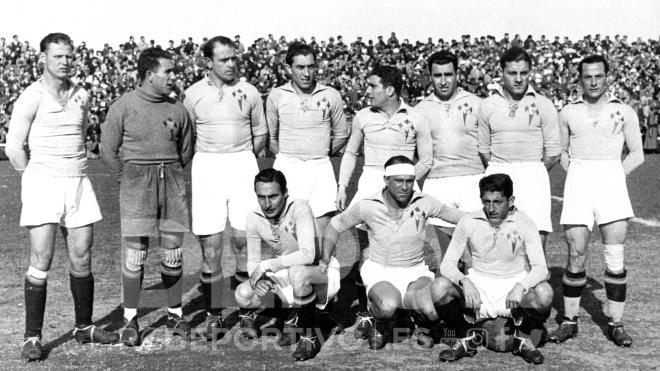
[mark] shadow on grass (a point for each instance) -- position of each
(589, 302)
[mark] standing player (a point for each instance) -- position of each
(283, 242)
(519, 136)
(452, 116)
(387, 128)
(502, 242)
(230, 130)
(593, 131)
(306, 124)
(154, 133)
(395, 274)
(50, 115)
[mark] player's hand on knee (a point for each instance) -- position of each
(471, 294)
(263, 287)
(256, 275)
(323, 266)
(340, 201)
(515, 296)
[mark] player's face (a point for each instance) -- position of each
(400, 187)
(445, 80)
(303, 72)
(271, 199)
(376, 92)
(58, 60)
(593, 81)
(516, 78)
(224, 63)
(163, 79)
(496, 206)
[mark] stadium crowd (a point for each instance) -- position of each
(109, 72)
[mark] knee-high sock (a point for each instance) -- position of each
(35, 305)
(211, 290)
(307, 313)
(132, 282)
(573, 285)
(615, 288)
(82, 289)
(172, 281)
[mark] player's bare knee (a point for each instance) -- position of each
(299, 279)
(440, 290)
(244, 294)
(385, 307)
(543, 295)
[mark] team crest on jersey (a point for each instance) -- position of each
(418, 215)
(514, 239)
(617, 120)
(532, 111)
(240, 97)
(173, 127)
(406, 126)
(447, 107)
(464, 109)
(324, 106)
(290, 227)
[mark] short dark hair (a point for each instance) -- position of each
(443, 57)
(594, 58)
(270, 175)
(207, 50)
(496, 183)
(389, 76)
(298, 48)
(54, 38)
(515, 54)
(149, 61)
(399, 159)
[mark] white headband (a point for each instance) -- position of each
(400, 169)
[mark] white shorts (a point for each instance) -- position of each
(311, 180)
(493, 293)
(284, 289)
(461, 192)
(531, 187)
(399, 277)
(68, 201)
(595, 191)
(222, 185)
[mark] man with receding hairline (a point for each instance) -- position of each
(231, 130)
(50, 116)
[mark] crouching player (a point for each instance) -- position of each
(500, 240)
(283, 241)
(395, 274)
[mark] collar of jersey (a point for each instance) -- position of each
(289, 87)
(460, 94)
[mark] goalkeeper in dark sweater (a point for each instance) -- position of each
(154, 133)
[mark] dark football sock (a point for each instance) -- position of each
(132, 282)
(212, 292)
(173, 287)
(82, 289)
(35, 305)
